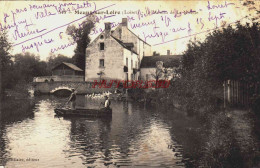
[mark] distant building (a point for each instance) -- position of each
(148, 65)
(115, 54)
(65, 68)
(63, 72)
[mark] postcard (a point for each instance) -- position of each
(129, 84)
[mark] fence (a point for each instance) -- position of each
(238, 93)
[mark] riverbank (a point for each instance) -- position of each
(16, 108)
(16, 103)
(227, 138)
(231, 140)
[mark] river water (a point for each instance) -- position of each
(135, 136)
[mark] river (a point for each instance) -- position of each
(137, 136)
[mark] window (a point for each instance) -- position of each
(101, 46)
(101, 37)
(127, 62)
(132, 64)
(101, 63)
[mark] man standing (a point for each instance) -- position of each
(72, 99)
(107, 103)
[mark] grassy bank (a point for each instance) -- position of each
(14, 108)
(16, 103)
(231, 141)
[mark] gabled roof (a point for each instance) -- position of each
(168, 61)
(138, 37)
(70, 65)
(118, 39)
(123, 44)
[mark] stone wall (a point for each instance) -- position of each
(113, 59)
(81, 87)
(70, 78)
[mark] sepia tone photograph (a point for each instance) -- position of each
(130, 84)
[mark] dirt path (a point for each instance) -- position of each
(242, 125)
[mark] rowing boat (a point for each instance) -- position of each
(83, 112)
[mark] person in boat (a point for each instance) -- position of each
(107, 103)
(72, 99)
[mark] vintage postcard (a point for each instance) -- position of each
(104, 84)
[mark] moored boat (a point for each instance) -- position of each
(83, 112)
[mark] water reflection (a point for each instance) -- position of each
(133, 137)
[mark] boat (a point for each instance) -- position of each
(83, 112)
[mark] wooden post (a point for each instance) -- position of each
(236, 90)
(228, 91)
(247, 95)
(239, 92)
(243, 94)
(232, 89)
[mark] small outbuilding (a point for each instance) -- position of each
(63, 72)
(66, 69)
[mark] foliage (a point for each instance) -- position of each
(162, 72)
(5, 58)
(5, 47)
(28, 66)
(54, 60)
(253, 9)
(230, 53)
(221, 148)
(22, 69)
(81, 36)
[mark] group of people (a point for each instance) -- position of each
(72, 100)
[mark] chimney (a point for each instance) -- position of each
(107, 28)
(168, 52)
(124, 22)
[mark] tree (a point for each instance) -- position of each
(5, 58)
(161, 72)
(253, 9)
(27, 66)
(231, 53)
(81, 36)
(54, 60)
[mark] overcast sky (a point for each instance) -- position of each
(40, 27)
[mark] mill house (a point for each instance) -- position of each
(116, 54)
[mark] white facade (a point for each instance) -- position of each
(115, 49)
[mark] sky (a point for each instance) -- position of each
(40, 27)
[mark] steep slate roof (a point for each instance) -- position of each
(70, 65)
(168, 61)
(123, 44)
(138, 37)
